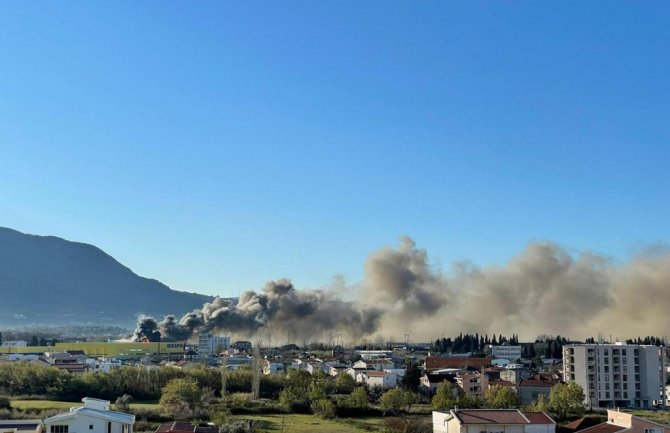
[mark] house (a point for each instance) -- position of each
(515, 373)
(626, 422)
(531, 389)
(22, 426)
(337, 368)
(186, 427)
(272, 367)
(492, 421)
(430, 381)
(383, 379)
(94, 417)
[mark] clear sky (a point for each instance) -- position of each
(217, 145)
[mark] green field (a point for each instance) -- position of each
(296, 423)
(119, 350)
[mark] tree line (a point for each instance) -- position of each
(473, 343)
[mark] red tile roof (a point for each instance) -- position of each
(538, 381)
(500, 383)
(435, 362)
(604, 428)
(377, 373)
(538, 418)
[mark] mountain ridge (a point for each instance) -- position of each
(51, 280)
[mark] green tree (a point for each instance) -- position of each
(397, 399)
(446, 396)
(501, 397)
(344, 384)
(358, 399)
(122, 404)
(541, 405)
(566, 400)
(323, 408)
(183, 399)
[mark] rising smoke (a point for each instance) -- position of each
(544, 290)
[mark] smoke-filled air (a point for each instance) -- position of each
(544, 290)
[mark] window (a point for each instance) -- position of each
(109, 427)
(125, 428)
(653, 430)
(59, 428)
(90, 426)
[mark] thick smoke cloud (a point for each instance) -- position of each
(278, 307)
(544, 290)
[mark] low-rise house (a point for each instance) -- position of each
(94, 417)
(430, 381)
(273, 367)
(515, 373)
(313, 367)
(336, 369)
(186, 427)
(531, 389)
(22, 426)
(383, 379)
(626, 422)
(492, 421)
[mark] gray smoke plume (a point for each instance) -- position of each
(544, 290)
(278, 306)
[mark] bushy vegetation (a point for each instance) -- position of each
(26, 379)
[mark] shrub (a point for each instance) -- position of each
(323, 408)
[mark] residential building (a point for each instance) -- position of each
(492, 421)
(531, 389)
(504, 351)
(93, 417)
(383, 379)
(625, 422)
(211, 345)
(473, 384)
(22, 426)
(617, 375)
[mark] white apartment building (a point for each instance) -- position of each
(209, 344)
(510, 353)
(616, 375)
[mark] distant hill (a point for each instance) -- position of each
(49, 280)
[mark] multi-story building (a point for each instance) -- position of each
(208, 344)
(473, 384)
(504, 351)
(616, 375)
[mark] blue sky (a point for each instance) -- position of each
(217, 145)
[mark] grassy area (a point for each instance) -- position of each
(296, 423)
(276, 423)
(66, 405)
(659, 416)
